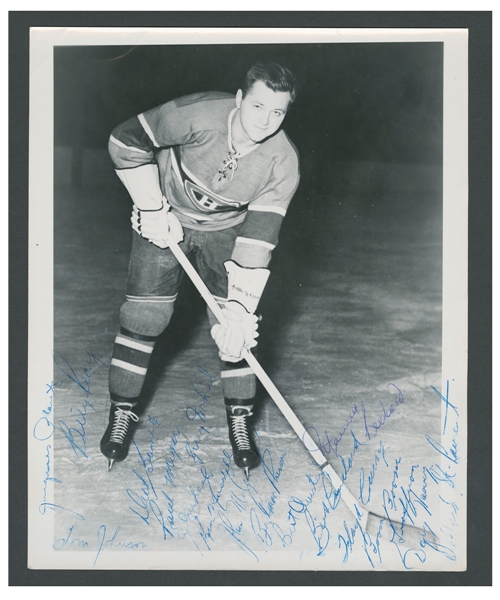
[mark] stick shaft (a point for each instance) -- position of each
(271, 389)
(301, 432)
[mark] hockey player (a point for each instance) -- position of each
(214, 173)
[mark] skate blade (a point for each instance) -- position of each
(110, 464)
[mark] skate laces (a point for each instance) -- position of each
(239, 428)
(121, 422)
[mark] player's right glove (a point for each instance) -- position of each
(161, 227)
(151, 217)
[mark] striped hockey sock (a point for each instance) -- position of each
(129, 365)
(238, 381)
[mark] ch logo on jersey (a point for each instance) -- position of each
(203, 200)
(207, 201)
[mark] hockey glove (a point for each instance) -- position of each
(245, 287)
(161, 227)
(143, 185)
(240, 332)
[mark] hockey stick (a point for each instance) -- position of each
(368, 521)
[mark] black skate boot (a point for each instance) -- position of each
(244, 451)
(118, 435)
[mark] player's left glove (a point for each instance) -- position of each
(161, 227)
(240, 333)
(245, 287)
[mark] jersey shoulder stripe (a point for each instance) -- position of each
(124, 146)
(148, 130)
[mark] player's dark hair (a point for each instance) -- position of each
(276, 77)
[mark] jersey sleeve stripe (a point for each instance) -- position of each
(262, 226)
(243, 240)
(266, 208)
(122, 145)
(148, 130)
(251, 255)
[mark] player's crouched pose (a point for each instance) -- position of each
(215, 174)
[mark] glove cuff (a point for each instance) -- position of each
(245, 285)
(143, 185)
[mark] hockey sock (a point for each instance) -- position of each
(238, 382)
(129, 365)
(142, 320)
(115, 399)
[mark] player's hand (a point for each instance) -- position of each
(161, 227)
(239, 334)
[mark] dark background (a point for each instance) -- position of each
(367, 123)
(357, 102)
(479, 25)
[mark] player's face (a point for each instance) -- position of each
(261, 111)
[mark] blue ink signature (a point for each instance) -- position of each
(47, 477)
(193, 446)
(267, 531)
(370, 547)
(112, 543)
(389, 497)
(365, 497)
(185, 516)
(62, 542)
(405, 502)
(169, 474)
(194, 412)
(432, 543)
(273, 475)
(451, 453)
(317, 526)
(348, 461)
(371, 430)
(225, 491)
(150, 453)
(76, 435)
(204, 533)
(44, 505)
(170, 509)
(437, 474)
(236, 533)
(450, 532)
(146, 503)
(216, 494)
(83, 382)
(411, 503)
(44, 428)
(447, 403)
(386, 413)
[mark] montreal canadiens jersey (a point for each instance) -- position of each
(207, 184)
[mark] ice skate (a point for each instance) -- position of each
(118, 435)
(244, 451)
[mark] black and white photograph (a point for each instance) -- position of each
(248, 250)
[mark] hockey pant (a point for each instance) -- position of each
(154, 279)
